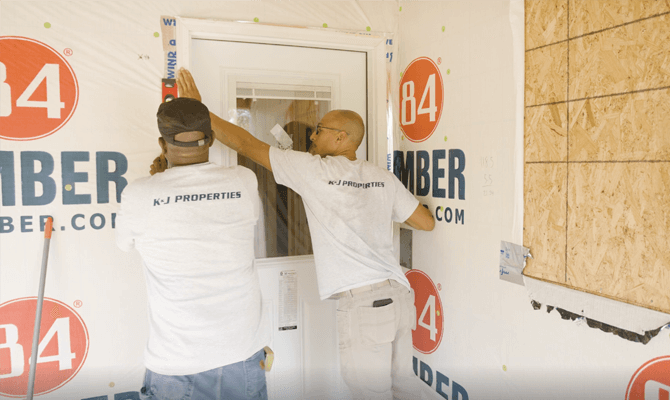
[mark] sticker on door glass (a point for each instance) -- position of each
(288, 300)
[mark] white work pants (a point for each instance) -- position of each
(376, 343)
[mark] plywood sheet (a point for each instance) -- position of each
(621, 128)
(546, 133)
(546, 22)
(620, 60)
(618, 224)
(545, 220)
(547, 74)
(588, 16)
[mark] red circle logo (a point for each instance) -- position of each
(38, 89)
(650, 381)
(429, 325)
(421, 98)
(62, 350)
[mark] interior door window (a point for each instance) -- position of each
(282, 228)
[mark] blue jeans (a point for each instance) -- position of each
(239, 381)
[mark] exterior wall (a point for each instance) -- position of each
(494, 344)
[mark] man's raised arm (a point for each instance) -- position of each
(229, 134)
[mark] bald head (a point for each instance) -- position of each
(352, 123)
(339, 133)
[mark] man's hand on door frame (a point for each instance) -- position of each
(186, 85)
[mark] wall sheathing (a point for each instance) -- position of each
(597, 151)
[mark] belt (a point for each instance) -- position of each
(361, 289)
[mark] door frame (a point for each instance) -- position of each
(377, 45)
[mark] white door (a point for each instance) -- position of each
(258, 86)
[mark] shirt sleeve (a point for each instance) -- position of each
(290, 168)
(125, 234)
(404, 202)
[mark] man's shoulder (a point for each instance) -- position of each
(292, 156)
(234, 173)
(244, 173)
(373, 168)
(135, 191)
(233, 170)
(138, 184)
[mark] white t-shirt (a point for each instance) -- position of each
(194, 229)
(350, 207)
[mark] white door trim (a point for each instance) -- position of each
(374, 44)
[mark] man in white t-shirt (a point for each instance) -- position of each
(351, 205)
(193, 225)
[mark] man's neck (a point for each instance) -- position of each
(350, 154)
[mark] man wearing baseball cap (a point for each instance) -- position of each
(193, 226)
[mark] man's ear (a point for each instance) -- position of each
(341, 135)
(211, 140)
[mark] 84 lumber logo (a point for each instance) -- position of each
(429, 326)
(62, 350)
(651, 381)
(38, 89)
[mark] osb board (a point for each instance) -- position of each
(620, 60)
(588, 16)
(546, 22)
(544, 220)
(547, 74)
(545, 133)
(618, 224)
(618, 187)
(621, 128)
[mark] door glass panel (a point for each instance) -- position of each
(282, 228)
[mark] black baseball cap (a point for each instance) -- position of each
(184, 115)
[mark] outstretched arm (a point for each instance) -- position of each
(229, 134)
(421, 219)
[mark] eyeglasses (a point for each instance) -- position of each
(319, 127)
